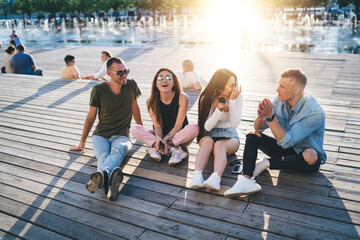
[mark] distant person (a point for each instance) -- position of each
(23, 63)
(190, 79)
(101, 74)
(12, 36)
(298, 125)
(8, 67)
(17, 40)
(70, 71)
(115, 102)
(167, 106)
(12, 43)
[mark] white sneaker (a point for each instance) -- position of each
(213, 182)
(177, 155)
(260, 166)
(243, 186)
(197, 181)
(154, 154)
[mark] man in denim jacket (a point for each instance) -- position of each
(298, 125)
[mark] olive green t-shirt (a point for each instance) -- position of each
(115, 111)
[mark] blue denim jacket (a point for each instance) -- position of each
(304, 125)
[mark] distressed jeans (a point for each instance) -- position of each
(110, 152)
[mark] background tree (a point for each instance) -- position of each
(356, 3)
(152, 5)
(51, 6)
(127, 4)
(6, 7)
(25, 7)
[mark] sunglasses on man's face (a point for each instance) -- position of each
(167, 78)
(122, 72)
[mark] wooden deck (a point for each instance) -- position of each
(42, 184)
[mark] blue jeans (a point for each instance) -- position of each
(110, 152)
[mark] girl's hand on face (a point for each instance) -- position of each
(235, 92)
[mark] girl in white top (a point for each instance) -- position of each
(220, 107)
(8, 59)
(101, 74)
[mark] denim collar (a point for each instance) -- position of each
(298, 106)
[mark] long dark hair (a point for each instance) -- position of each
(154, 100)
(212, 91)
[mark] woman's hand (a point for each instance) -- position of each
(160, 145)
(235, 92)
(223, 107)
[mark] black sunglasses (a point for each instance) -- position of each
(121, 73)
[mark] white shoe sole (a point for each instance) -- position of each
(209, 186)
(172, 163)
(196, 186)
(238, 194)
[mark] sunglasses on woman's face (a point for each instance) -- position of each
(167, 78)
(121, 73)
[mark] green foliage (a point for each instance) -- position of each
(6, 7)
(51, 6)
(25, 6)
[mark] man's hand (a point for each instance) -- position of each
(266, 108)
(81, 147)
(259, 111)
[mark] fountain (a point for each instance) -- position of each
(279, 33)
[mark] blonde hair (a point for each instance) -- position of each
(299, 76)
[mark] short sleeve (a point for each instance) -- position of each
(31, 60)
(137, 90)
(94, 98)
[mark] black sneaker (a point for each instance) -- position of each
(106, 182)
(96, 181)
(115, 179)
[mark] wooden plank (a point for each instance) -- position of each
(122, 214)
(46, 220)
(229, 229)
(35, 135)
(154, 235)
(262, 223)
(8, 236)
(310, 209)
(24, 229)
(341, 228)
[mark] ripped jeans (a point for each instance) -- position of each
(110, 152)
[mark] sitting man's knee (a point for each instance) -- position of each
(255, 133)
(310, 156)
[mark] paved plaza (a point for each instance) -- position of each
(42, 184)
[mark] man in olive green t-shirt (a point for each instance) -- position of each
(116, 103)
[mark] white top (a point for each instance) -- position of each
(102, 72)
(188, 79)
(8, 63)
(229, 119)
